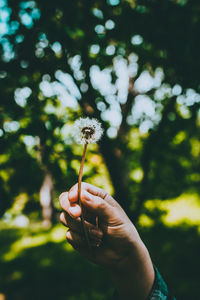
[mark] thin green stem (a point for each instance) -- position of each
(79, 195)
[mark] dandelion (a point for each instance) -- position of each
(85, 131)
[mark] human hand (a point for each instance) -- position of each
(121, 250)
(116, 234)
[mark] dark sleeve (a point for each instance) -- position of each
(159, 290)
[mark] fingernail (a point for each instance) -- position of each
(68, 235)
(72, 210)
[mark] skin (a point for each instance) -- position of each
(115, 243)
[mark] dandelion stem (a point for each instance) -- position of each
(79, 194)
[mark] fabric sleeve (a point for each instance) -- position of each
(160, 290)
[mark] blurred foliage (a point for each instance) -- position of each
(44, 268)
(134, 65)
(40, 264)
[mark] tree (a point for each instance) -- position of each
(80, 53)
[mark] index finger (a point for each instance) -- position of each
(94, 190)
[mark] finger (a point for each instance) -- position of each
(72, 223)
(88, 216)
(97, 205)
(76, 226)
(63, 219)
(78, 241)
(96, 191)
(73, 193)
(71, 208)
(64, 202)
(75, 238)
(95, 233)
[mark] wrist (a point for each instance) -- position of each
(133, 275)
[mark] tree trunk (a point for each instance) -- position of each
(148, 147)
(46, 199)
(115, 163)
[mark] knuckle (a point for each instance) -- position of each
(105, 194)
(100, 204)
(85, 195)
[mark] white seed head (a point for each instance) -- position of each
(86, 130)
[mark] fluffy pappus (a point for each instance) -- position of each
(86, 130)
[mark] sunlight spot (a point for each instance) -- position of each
(25, 243)
(21, 221)
(195, 147)
(11, 126)
(177, 89)
(97, 13)
(7, 217)
(114, 117)
(19, 38)
(56, 47)
(21, 95)
(112, 132)
(110, 24)
(179, 138)
(184, 209)
(99, 29)
(146, 221)
(145, 82)
(58, 234)
(1, 132)
(30, 141)
(101, 106)
(94, 49)
(113, 2)
(137, 39)
(137, 175)
(145, 126)
(184, 111)
(110, 50)
(68, 82)
(26, 19)
(84, 87)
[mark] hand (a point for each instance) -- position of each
(121, 250)
(119, 234)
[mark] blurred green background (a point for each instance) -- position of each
(133, 65)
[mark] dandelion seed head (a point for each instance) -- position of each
(86, 130)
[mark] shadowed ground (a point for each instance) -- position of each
(38, 264)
